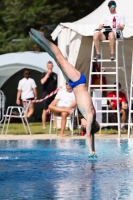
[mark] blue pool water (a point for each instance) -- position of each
(60, 169)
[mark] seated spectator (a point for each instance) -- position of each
(123, 106)
(63, 103)
(115, 22)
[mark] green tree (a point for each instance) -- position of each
(18, 16)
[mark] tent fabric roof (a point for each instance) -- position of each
(13, 62)
(35, 60)
(88, 24)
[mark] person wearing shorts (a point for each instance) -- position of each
(27, 90)
(116, 22)
(49, 84)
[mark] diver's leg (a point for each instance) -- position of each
(52, 55)
(71, 72)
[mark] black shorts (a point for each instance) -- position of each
(106, 34)
(46, 102)
(30, 99)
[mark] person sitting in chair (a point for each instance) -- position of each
(63, 103)
(111, 24)
(123, 106)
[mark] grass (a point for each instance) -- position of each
(36, 128)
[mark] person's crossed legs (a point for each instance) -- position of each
(64, 112)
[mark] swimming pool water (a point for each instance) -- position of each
(60, 169)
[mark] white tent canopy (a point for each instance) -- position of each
(13, 62)
(86, 25)
(75, 39)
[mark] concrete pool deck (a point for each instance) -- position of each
(54, 136)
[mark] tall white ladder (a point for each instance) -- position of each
(130, 122)
(109, 87)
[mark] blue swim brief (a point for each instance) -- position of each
(78, 82)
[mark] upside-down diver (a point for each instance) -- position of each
(78, 82)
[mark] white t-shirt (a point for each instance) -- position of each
(26, 86)
(65, 98)
(109, 20)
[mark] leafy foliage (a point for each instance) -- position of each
(18, 16)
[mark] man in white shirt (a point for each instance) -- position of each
(63, 103)
(113, 20)
(27, 90)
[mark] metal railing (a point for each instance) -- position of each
(2, 106)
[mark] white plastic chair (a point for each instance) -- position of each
(69, 123)
(119, 35)
(21, 113)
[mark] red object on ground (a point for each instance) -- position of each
(82, 133)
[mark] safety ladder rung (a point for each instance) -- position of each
(103, 68)
(104, 98)
(112, 86)
(103, 73)
(106, 111)
(107, 41)
(105, 89)
(109, 124)
(105, 60)
(98, 86)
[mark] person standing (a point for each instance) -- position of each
(49, 83)
(27, 91)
